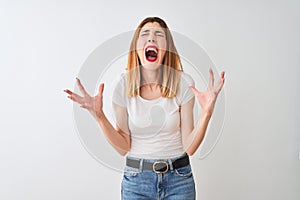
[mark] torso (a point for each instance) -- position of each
(154, 121)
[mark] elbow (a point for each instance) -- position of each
(189, 152)
(125, 146)
(122, 152)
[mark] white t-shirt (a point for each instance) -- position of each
(154, 124)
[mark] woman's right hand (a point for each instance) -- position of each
(93, 104)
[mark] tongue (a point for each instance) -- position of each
(151, 56)
(151, 53)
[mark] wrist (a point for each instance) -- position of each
(99, 115)
(206, 113)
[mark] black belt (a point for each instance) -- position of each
(159, 166)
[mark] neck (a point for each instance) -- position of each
(150, 76)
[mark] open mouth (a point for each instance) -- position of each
(151, 53)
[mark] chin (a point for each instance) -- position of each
(151, 66)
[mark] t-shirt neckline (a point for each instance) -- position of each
(149, 100)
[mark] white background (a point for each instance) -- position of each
(44, 43)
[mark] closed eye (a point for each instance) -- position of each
(144, 32)
(159, 33)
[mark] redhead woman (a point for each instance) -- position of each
(153, 103)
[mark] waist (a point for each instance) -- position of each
(157, 147)
(158, 165)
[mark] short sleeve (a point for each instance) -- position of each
(119, 96)
(185, 94)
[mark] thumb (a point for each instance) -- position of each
(101, 88)
(194, 90)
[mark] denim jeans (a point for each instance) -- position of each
(176, 184)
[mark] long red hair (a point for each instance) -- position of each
(170, 67)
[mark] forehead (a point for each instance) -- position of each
(152, 25)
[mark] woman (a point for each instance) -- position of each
(153, 103)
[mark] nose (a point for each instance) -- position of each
(151, 37)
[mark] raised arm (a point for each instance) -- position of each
(193, 136)
(118, 137)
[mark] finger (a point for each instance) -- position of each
(211, 78)
(221, 82)
(81, 88)
(68, 91)
(75, 97)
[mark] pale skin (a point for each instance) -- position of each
(119, 136)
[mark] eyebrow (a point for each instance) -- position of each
(159, 32)
(145, 30)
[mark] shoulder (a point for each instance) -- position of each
(119, 92)
(185, 94)
(120, 80)
(122, 77)
(186, 79)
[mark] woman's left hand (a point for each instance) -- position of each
(207, 99)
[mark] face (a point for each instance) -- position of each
(151, 45)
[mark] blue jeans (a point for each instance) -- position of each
(176, 184)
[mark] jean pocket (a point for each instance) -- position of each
(130, 172)
(185, 171)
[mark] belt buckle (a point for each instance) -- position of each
(160, 167)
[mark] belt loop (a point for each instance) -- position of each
(141, 165)
(171, 165)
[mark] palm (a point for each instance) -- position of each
(92, 104)
(208, 98)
